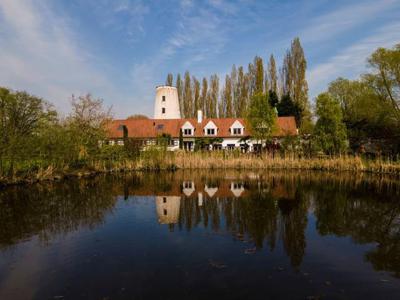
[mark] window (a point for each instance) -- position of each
(210, 131)
(164, 199)
(163, 110)
(237, 186)
(187, 185)
(163, 98)
(237, 130)
(165, 212)
(187, 131)
(160, 126)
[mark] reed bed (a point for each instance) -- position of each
(163, 160)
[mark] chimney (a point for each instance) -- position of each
(199, 116)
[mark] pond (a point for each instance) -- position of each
(202, 235)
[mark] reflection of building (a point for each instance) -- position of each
(210, 190)
(168, 209)
(188, 188)
(237, 188)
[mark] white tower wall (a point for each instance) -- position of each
(167, 103)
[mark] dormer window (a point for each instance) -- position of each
(237, 131)
(163, 98)
(187, 131)
(210, 131)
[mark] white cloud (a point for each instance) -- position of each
(352, 60)
(39, 53)
(329, 25)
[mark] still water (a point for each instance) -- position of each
(194, 235)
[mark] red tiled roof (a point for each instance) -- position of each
(151, 128)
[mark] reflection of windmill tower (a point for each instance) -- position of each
(168, 209)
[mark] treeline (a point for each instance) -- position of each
(34, 136)
(365, 111)
(286, 87)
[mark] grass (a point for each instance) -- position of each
(33, 171)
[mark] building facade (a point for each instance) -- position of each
(189, 134)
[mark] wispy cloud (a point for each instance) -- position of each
(200, 34)
(330, 25)
(38, 52)
(126, 16)
(352, 60)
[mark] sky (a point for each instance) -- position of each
(119, 50)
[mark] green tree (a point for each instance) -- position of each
(364, 114)
(273, 98)
(385, 78)
(187, 97)
(137, 117)
(272, 75)
(242, 93)
(286, 107)
(170, 79)
(22, 117)
(261, 118)
(330, 131)
(179, 87)
(294, 82)
(87, 124)
(196, 96)
(213, 97)
(227, 97)
(203, 97)
(259, 75)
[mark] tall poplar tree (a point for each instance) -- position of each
(203, 97)
(187, 97)
(294, 82)
(213, 96)
(258, 75)
(243, 85)
(170, 80)
(227, 97)
(196, 96)
(234, 88)
(272, 75)
(251, 75)
(179, 87)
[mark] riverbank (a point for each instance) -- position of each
(169, 161)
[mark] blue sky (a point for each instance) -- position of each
(119, 50)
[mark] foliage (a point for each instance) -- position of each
(287, 107)
(170, 79)
(240, 85)
(87, 124)
(137, 117)
(330, 131)
(273, 98)
(22, 118)
(261, 117)
(370, 105)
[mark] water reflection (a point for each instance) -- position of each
(263, 210)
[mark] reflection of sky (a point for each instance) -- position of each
(130, 252)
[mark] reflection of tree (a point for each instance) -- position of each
(256, 215)
(293, 226)
(366, 217)
(47, 210)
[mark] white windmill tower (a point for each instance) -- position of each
(166, 105)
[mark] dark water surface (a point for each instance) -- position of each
(191, 235)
